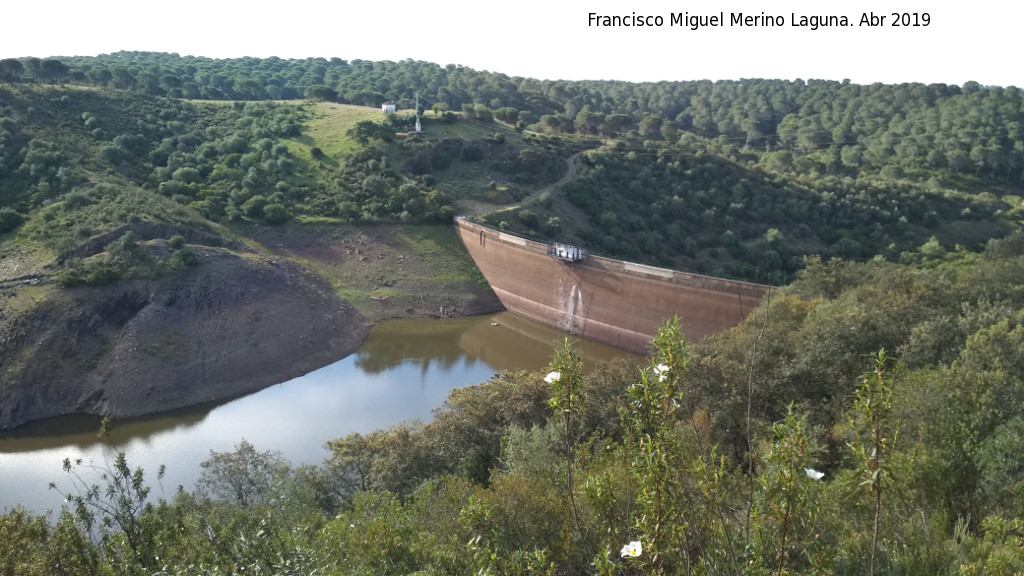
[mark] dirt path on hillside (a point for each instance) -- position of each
(480, 208)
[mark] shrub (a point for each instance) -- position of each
(253, 207)
(96, 275)
(276, 214)
(186, 256)
(440, 161)
(76, 200)
(528, 217)
(9, 220)
(471, 154)
(553, 225)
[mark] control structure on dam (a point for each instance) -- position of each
(618, 303)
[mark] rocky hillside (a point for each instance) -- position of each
(234, 323)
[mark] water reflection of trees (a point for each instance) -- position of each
(417, 342)
(80, 430)
(503, 342)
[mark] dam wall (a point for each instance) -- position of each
(618, 303)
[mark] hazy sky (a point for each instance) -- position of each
(550, 39)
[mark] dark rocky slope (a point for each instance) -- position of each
(234, 324)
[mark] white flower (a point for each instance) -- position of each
(662, 371)
(631, 550)
(814, 474)
(553, 377)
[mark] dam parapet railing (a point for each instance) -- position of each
(614, 266)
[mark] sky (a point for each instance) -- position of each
(553, 39)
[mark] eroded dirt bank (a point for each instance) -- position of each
(388, 272)
(236, 323)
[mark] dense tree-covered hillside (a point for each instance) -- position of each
(964, 128)
(706, 213)
(223, 161)
(735, 178)
(834, 127)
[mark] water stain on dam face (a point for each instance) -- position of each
(571, 315)
(618, 303)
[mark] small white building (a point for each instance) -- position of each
(388, 107)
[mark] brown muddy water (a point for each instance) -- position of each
(403, 371)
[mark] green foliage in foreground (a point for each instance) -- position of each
(867, 419)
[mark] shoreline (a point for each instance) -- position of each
(301, 298)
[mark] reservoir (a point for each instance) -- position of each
(403, 371)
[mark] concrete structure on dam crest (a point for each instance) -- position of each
(618, 303)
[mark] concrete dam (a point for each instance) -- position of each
(618, 303)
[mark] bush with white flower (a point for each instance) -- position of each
(652, 442)
(631, 550)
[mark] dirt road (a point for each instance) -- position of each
(480, 208)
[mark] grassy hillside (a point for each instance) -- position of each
(327, 129)
(385, 271)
